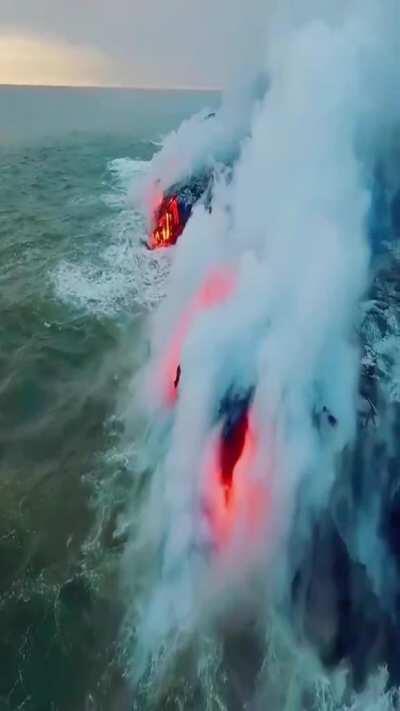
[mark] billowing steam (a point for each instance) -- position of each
(263, 303)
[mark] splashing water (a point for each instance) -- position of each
(122, 273)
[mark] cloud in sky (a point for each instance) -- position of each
(179, 42)
(32, 60)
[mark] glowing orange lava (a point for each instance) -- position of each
(233, 496)
(169, 224)
(218, 286)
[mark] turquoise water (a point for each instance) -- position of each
(73, 294)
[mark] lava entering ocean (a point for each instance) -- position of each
(267, 493)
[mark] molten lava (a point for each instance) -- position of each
(231, 447)
(234, 497)
(218, 286)
(169, 224)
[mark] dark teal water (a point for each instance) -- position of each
(70, 332)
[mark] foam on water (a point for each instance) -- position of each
(123, 172)
(120, 274)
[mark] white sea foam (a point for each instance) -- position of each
(121, 275)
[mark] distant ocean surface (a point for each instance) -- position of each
(74, 286)
(28, 113)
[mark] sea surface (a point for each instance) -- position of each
(75, 287)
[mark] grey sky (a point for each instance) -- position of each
(162, 42)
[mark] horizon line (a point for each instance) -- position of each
(127, 87)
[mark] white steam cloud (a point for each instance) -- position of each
(291, 224)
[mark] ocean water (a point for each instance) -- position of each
(75, 285)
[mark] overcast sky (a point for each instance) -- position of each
(129, 42)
